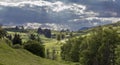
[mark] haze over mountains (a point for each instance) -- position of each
(72, 14)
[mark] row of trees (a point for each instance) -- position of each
(17, 29)
(97, 48)
(46, 32)
(34, 44)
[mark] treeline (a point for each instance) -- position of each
(60, 35)
(17, 29)
(45, 32)
(100, 47)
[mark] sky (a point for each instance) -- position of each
(74, 13)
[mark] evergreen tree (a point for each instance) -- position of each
(32, 37)
(58, 37)
(9, 37)
(47, 33)
(17, 39)
(17, 28)
(62, 36)
(40, 31)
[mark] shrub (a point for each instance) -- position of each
(35, 48)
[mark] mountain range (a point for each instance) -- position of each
(71, 14)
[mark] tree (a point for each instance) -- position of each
(75, 50)
(17, 39)
(40, 31)
(62, 36)
(32, 37)
(58, 37)
(17, 28)
(9, 37)
(71, 50)
(66, 50)
(118, 55)
(47, 33)
(22, 27)
(110, 42)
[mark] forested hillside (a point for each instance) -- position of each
(99, 46)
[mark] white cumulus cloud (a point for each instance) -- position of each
(55, 6)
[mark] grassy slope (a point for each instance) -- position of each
(9, 56)
(48, 42)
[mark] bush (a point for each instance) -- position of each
(35, 48)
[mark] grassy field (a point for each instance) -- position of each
(10, 56)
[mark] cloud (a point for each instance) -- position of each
(101, 8)
(55, 6)
(95, 21)
(23, 3)
(112, 19)
(76, 13)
